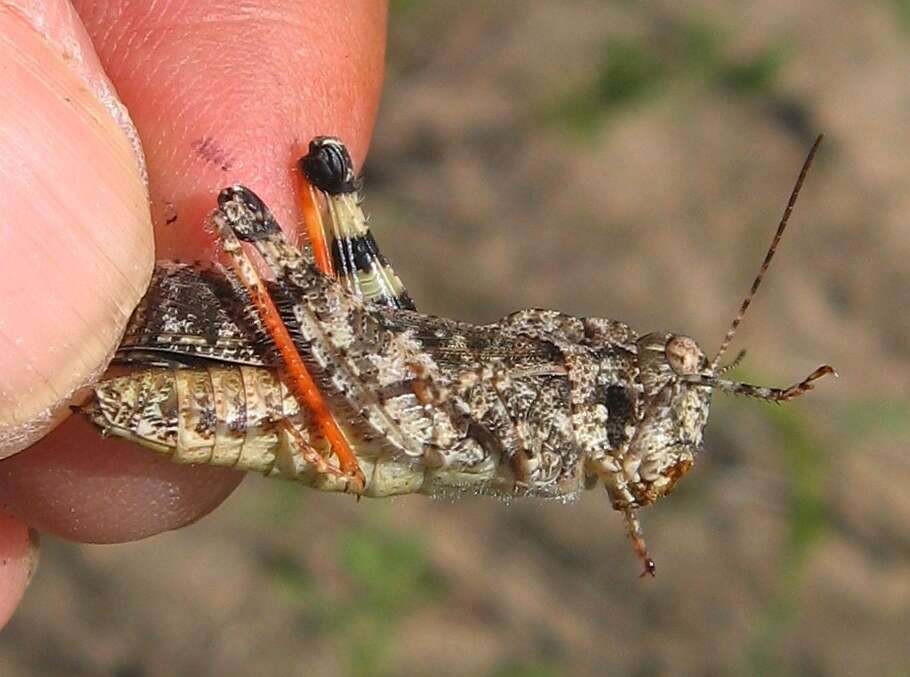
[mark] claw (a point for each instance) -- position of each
(633, 527)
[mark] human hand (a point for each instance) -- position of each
(220, 92)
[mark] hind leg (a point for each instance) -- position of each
(243, 216)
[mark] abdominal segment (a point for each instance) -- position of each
(236, 417)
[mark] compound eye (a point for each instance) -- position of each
(683, 355)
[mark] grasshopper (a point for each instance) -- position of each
(327, 375)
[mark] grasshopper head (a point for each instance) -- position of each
(672, 413)
(674, 384)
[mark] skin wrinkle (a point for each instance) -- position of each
(102, 338)
(98, 338)
(60, 28)
(14, 348)
(69, 247)
(275, 67)
(51, 191)
(203, 88)
(83, 237)
(114, 265)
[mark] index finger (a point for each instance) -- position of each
(231, 94)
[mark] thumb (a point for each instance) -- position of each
(76, 235)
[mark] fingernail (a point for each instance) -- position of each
(60, 28)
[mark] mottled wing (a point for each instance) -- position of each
(191, 313)
(462, 346)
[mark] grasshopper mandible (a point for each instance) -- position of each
(393, 401)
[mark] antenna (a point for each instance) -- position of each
(770, 255)
(761, 392)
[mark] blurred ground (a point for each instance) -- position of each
(604, 159)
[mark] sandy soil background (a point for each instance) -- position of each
(613, 159)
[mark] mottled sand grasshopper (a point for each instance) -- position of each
(327, 375)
